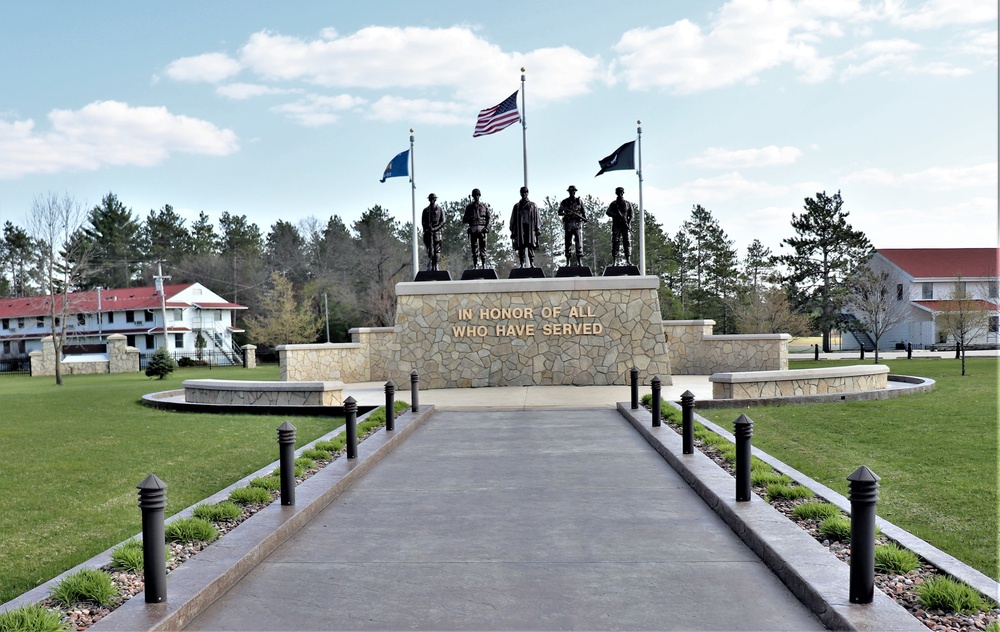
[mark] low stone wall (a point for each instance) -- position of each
(694, 350)
(120, 359)
(382, 349)
(759, 384)
(252, 393)
(347, 362)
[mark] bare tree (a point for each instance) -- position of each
(872, 298)
(767, 311)
(963, 317)
(54, 223)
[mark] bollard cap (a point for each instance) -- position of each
(743, 420)
(655, 380)
(286, 427)
(863, 475)
(687, 395)
(151, 482)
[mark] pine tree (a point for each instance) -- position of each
(160, 364)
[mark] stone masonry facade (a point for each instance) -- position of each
(763, 384)
(695, 351)
(120, 359)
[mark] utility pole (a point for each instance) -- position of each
(163, 303)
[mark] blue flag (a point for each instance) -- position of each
(398, 166)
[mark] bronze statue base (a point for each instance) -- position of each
(433, 275)
(526, 273)
(574, 271)
(627, 270)
(475, 274)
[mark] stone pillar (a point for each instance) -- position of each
(249, 356)
(43, 363)
(118, 357)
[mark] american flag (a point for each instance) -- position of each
(497, 117)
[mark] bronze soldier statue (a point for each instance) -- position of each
(524, 228)
(573, 214)
(620, 212)
(477, 216)
(433, 225)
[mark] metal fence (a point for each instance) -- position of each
(207, 360)
(15, 365)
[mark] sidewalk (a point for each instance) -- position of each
(480, 520)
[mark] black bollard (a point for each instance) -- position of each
(286, 461)
(656, 400)
(815, 352)
(909, 351)
(862, 351)
(634, 380)
(687, 421)
(390, 406)
(152, 501)
(414, 390)
(743, 430)
(863, 493)
(351, 427)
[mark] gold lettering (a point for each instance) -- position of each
(465, 314)
(501, 330)
(546, 328)
(598, 329)
(590, 313)
(529, 329)
(588, 329)
(484, 313)
(481, 330)
(528, 312)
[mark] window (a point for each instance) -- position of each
(130, 340)
(178, 341)
(218, 315)
(129, 317)
(111, 317)
(178, 314)
(39, 321)
(927, 290)
(962, 287)
(150, 341)
(992, 289)
(20, 323)
(5, 324)
(20, 347)
(942, 337)
(994, 324)
(899, 291)
(6, 347)
(81, 320)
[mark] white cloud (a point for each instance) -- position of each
(721, 188)
(381, 58)
(106, 133)
(718, 158)
(314, 110)
(969, 223)
(979, 43)
(746, 38)
(932, 179)
(391, 109)
(210, 68)
(241, 91)
(934, 14)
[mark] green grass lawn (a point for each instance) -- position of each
(73, 455)
(936, 453)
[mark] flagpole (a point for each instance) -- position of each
(413, 204)
(524, 132)
(642, 218)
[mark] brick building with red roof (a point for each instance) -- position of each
(137, 313)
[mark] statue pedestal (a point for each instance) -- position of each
(526, 273)
(432, 275)
(576, 330)
(628, 270)
(574, 271)
(474, 274)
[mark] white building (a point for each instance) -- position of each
(926, 278)
(137, 313)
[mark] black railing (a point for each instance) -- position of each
(206, 359)
(15, 365)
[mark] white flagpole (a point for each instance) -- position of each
(642, 218)
(413, 203)
(524, 132)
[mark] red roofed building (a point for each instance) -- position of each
(927, 278)
(137, 313)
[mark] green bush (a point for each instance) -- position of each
(994, 626)
(299, 472)
(87, 585)
(326, 446)
(816, 510)
(305, 463)
(788, 492)
(944, 593)
(891, 558)
(270, 483)
(765, 478)
(191, 530)
(667, 412)
(728, 451)
(249, 495)
(32, 617)
(160, 364)
(836, 528)
(225, 510)
(127, 556)
(316, 454)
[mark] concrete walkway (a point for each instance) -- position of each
(511, 519)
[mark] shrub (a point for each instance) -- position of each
(891, 558)
(298, 473)
(316, 454)
(250, 495)
(87, 585)
(127, 556)
(944, 593)
(160, 364)
(668, 412)
(225, 510)
(32, 617)
(765, 478)
(270, 483)
(305, 463)
(836, 528)
(326, 446)
(816, 510)
(728, 451)
(994, 626)
(191, 530)
(788, 492)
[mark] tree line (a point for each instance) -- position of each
(314, 268)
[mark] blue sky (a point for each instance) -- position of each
(292, 110)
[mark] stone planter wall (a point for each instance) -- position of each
(695, 351)
(346, 362)
(250, 393)
(758, 384)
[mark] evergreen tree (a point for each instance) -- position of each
(160, 364)
(713, 264)
(286, 254)
(203, 236)
(17, 251)
(827, 250)
(164, 236)
(113, 237)
(240, 246)
(382, 259)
